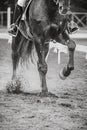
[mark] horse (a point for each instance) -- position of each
(45, 23)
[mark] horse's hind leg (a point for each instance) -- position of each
(42, 51)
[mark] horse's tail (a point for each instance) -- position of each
(25, 49)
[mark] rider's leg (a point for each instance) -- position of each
(17, 16)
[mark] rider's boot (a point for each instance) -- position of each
(73, 27)
(16, 19)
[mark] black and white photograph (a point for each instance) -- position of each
(43, 64)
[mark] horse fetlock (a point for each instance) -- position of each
(42, 68)
(70, 68)
(44, 90)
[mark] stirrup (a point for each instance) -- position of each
(73, 27)
(74, 30)
(13, 30)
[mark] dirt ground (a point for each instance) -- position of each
(66, 109)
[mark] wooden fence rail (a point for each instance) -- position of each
(5, 18)
(80, 19)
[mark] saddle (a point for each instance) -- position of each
(24, 25)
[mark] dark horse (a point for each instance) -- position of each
(45, 24)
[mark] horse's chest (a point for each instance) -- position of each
(39, 11)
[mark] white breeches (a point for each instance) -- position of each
(21, 3)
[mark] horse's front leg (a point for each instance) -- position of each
(42, 51)
(71, 48)
(66, 71)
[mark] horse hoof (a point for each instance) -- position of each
(14, 86)
(61, 75)
(44, 94)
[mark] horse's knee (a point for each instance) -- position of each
(42, 67)
(71, 45)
